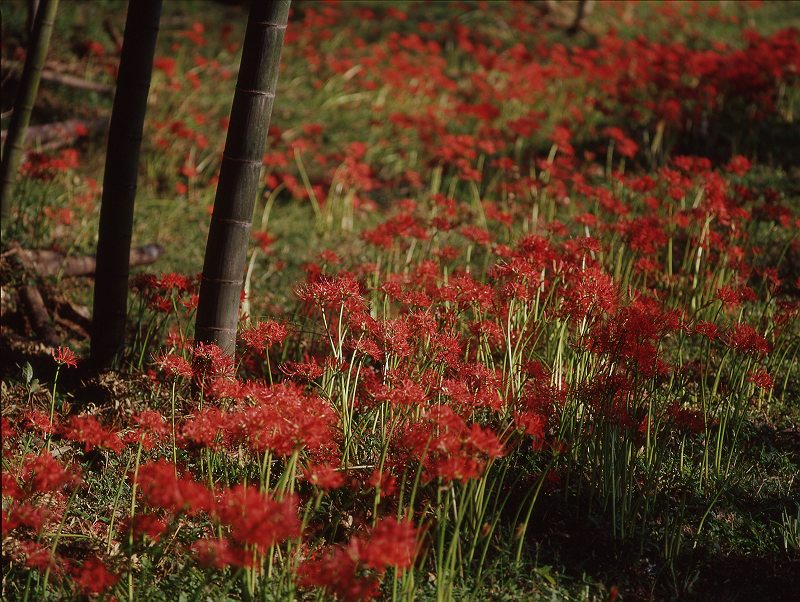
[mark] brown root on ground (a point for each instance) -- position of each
(39, 308)
(31, 299)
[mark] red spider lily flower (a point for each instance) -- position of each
(395, 337)
(465, 290)
(561, 137)
(39, 556)
(40, 421)
(478, 235)
(7, 430)
(384, 481)
(534, 425)
(93, 577)
(307, 371)
(411, 298)
(330, 257)
(284, 420)
(447, 447)
(173, 365)
(44, 473)
(707, 329)
(391, 543)
(88, 430)
(264, 335)
(484, 441)
(10, 486)
(160, 304)
(407, 393)
(174, 281)
(760, 378)
(256, 519)
(474, 386)
(687, 420)
(729, 296)
(166, 65)
(225, 388)
(645, 234)
(333, 293)
(149, 435)
(489, 331)
(372, 390)
(147, 524)
(26, 515)
(336, 572)
(590, 291)
(161, 488)
(211, 362)
(634, 334)
(625, 146)
(64, 357)
(152, 423)
(263, 240)
(220, 553)
(366, 347)
(324, 476)
(393, 229)
(191, 301)
(738, 165)
(745, 339)
(205, 429)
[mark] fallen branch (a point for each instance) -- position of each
(50, 136)
(112, 32)
(31, 300)
(66, 79)
(51, 263)
(79, 330)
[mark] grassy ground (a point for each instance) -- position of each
(446, 117)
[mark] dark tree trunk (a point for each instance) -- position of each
(119, 181)
(23, 104)
(583, 10)
(33, 7)
(226, 250)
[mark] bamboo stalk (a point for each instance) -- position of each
(23, 104)
(119, 181)
(226, 250)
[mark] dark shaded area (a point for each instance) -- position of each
(580, 546)
(769, 142)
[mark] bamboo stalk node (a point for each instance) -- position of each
(271, 24)
(235, 222)
(239, 160)
(256, 92)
